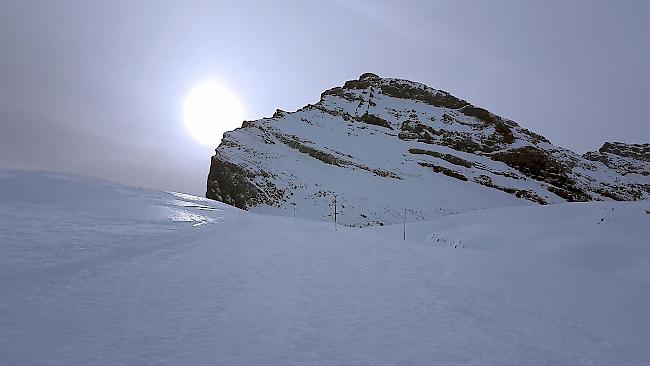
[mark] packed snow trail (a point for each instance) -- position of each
(244, 289)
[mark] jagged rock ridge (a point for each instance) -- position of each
(624, 158)
(384, 145)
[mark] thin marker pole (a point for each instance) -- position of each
(335, 213)
(404, 232)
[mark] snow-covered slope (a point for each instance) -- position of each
(50, 219)
(102, 274)
(385, 145)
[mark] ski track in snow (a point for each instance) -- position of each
(242, 289)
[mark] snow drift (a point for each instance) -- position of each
(102, 274)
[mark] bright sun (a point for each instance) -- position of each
(209, 110)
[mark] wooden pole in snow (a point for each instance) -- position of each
(335, 213)
(404, 231)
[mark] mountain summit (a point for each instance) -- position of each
(388, 146)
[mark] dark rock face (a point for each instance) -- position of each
(540, 165)
(230, 184)
(624, 158)
(446, 157)
(634, 151)
(446, 171)
(397, 89)
(638, 152)
(418, 131)
(374, 120)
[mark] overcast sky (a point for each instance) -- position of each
(96, 87)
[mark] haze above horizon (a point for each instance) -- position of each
(97, 88)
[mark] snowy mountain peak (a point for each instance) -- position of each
(369, 76)
(383, 145)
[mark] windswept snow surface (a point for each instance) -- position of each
(93, 273)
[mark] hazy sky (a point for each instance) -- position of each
(96, 87)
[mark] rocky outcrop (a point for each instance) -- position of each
(382, 145)
(540, 165)
(639, 152)
(625, 158)
(231, 184)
